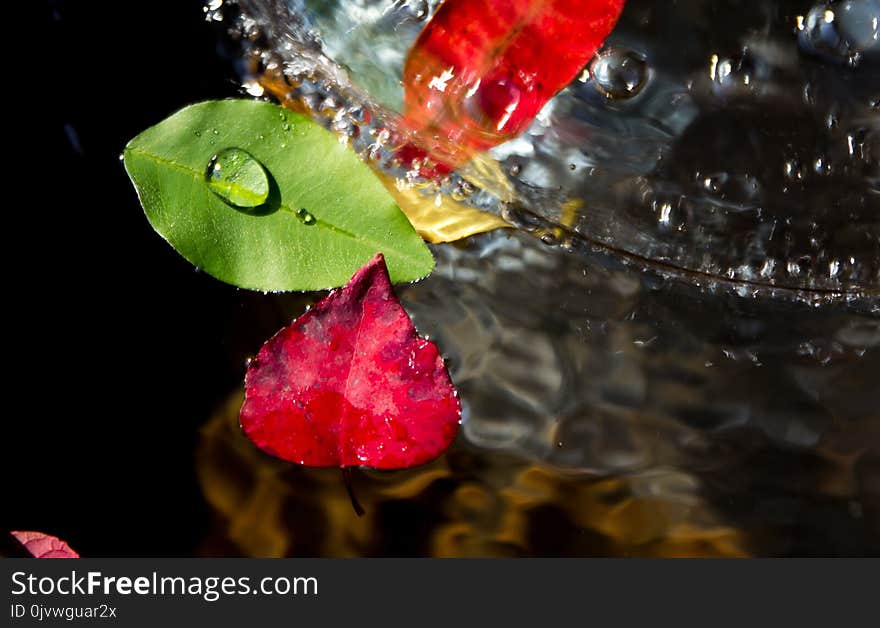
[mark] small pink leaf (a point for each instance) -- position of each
(351, 383)
(44, 546)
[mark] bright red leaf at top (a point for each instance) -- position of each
(481, 70)
(351, 383)
(44, 546)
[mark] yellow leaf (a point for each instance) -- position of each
(438, 218)
(485, 173)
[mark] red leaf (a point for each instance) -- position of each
(44, 546)
(351, 383)
(481, 70)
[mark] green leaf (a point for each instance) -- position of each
(325, 216)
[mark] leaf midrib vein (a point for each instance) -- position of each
(344, 417)
(195, 174)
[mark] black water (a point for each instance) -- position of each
(115, 343)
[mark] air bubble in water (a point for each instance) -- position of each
(841, 32)
(238, 177)
(619, 73)
(213, 10)
(417, 9)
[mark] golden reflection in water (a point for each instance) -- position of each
(467, 503)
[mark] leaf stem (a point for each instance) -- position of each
(346, 479)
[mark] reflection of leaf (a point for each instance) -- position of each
(631, 524)
(351, 383)
(44, 545)
(463, 504)
(444, 222)
(568, 213)
(270, 508)
(243, 486)
(326, 214)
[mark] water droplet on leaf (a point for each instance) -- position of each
(305, 216)
(238, 178)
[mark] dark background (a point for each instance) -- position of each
(117, 346)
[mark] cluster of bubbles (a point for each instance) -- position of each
(748, 152)
(841, 32)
